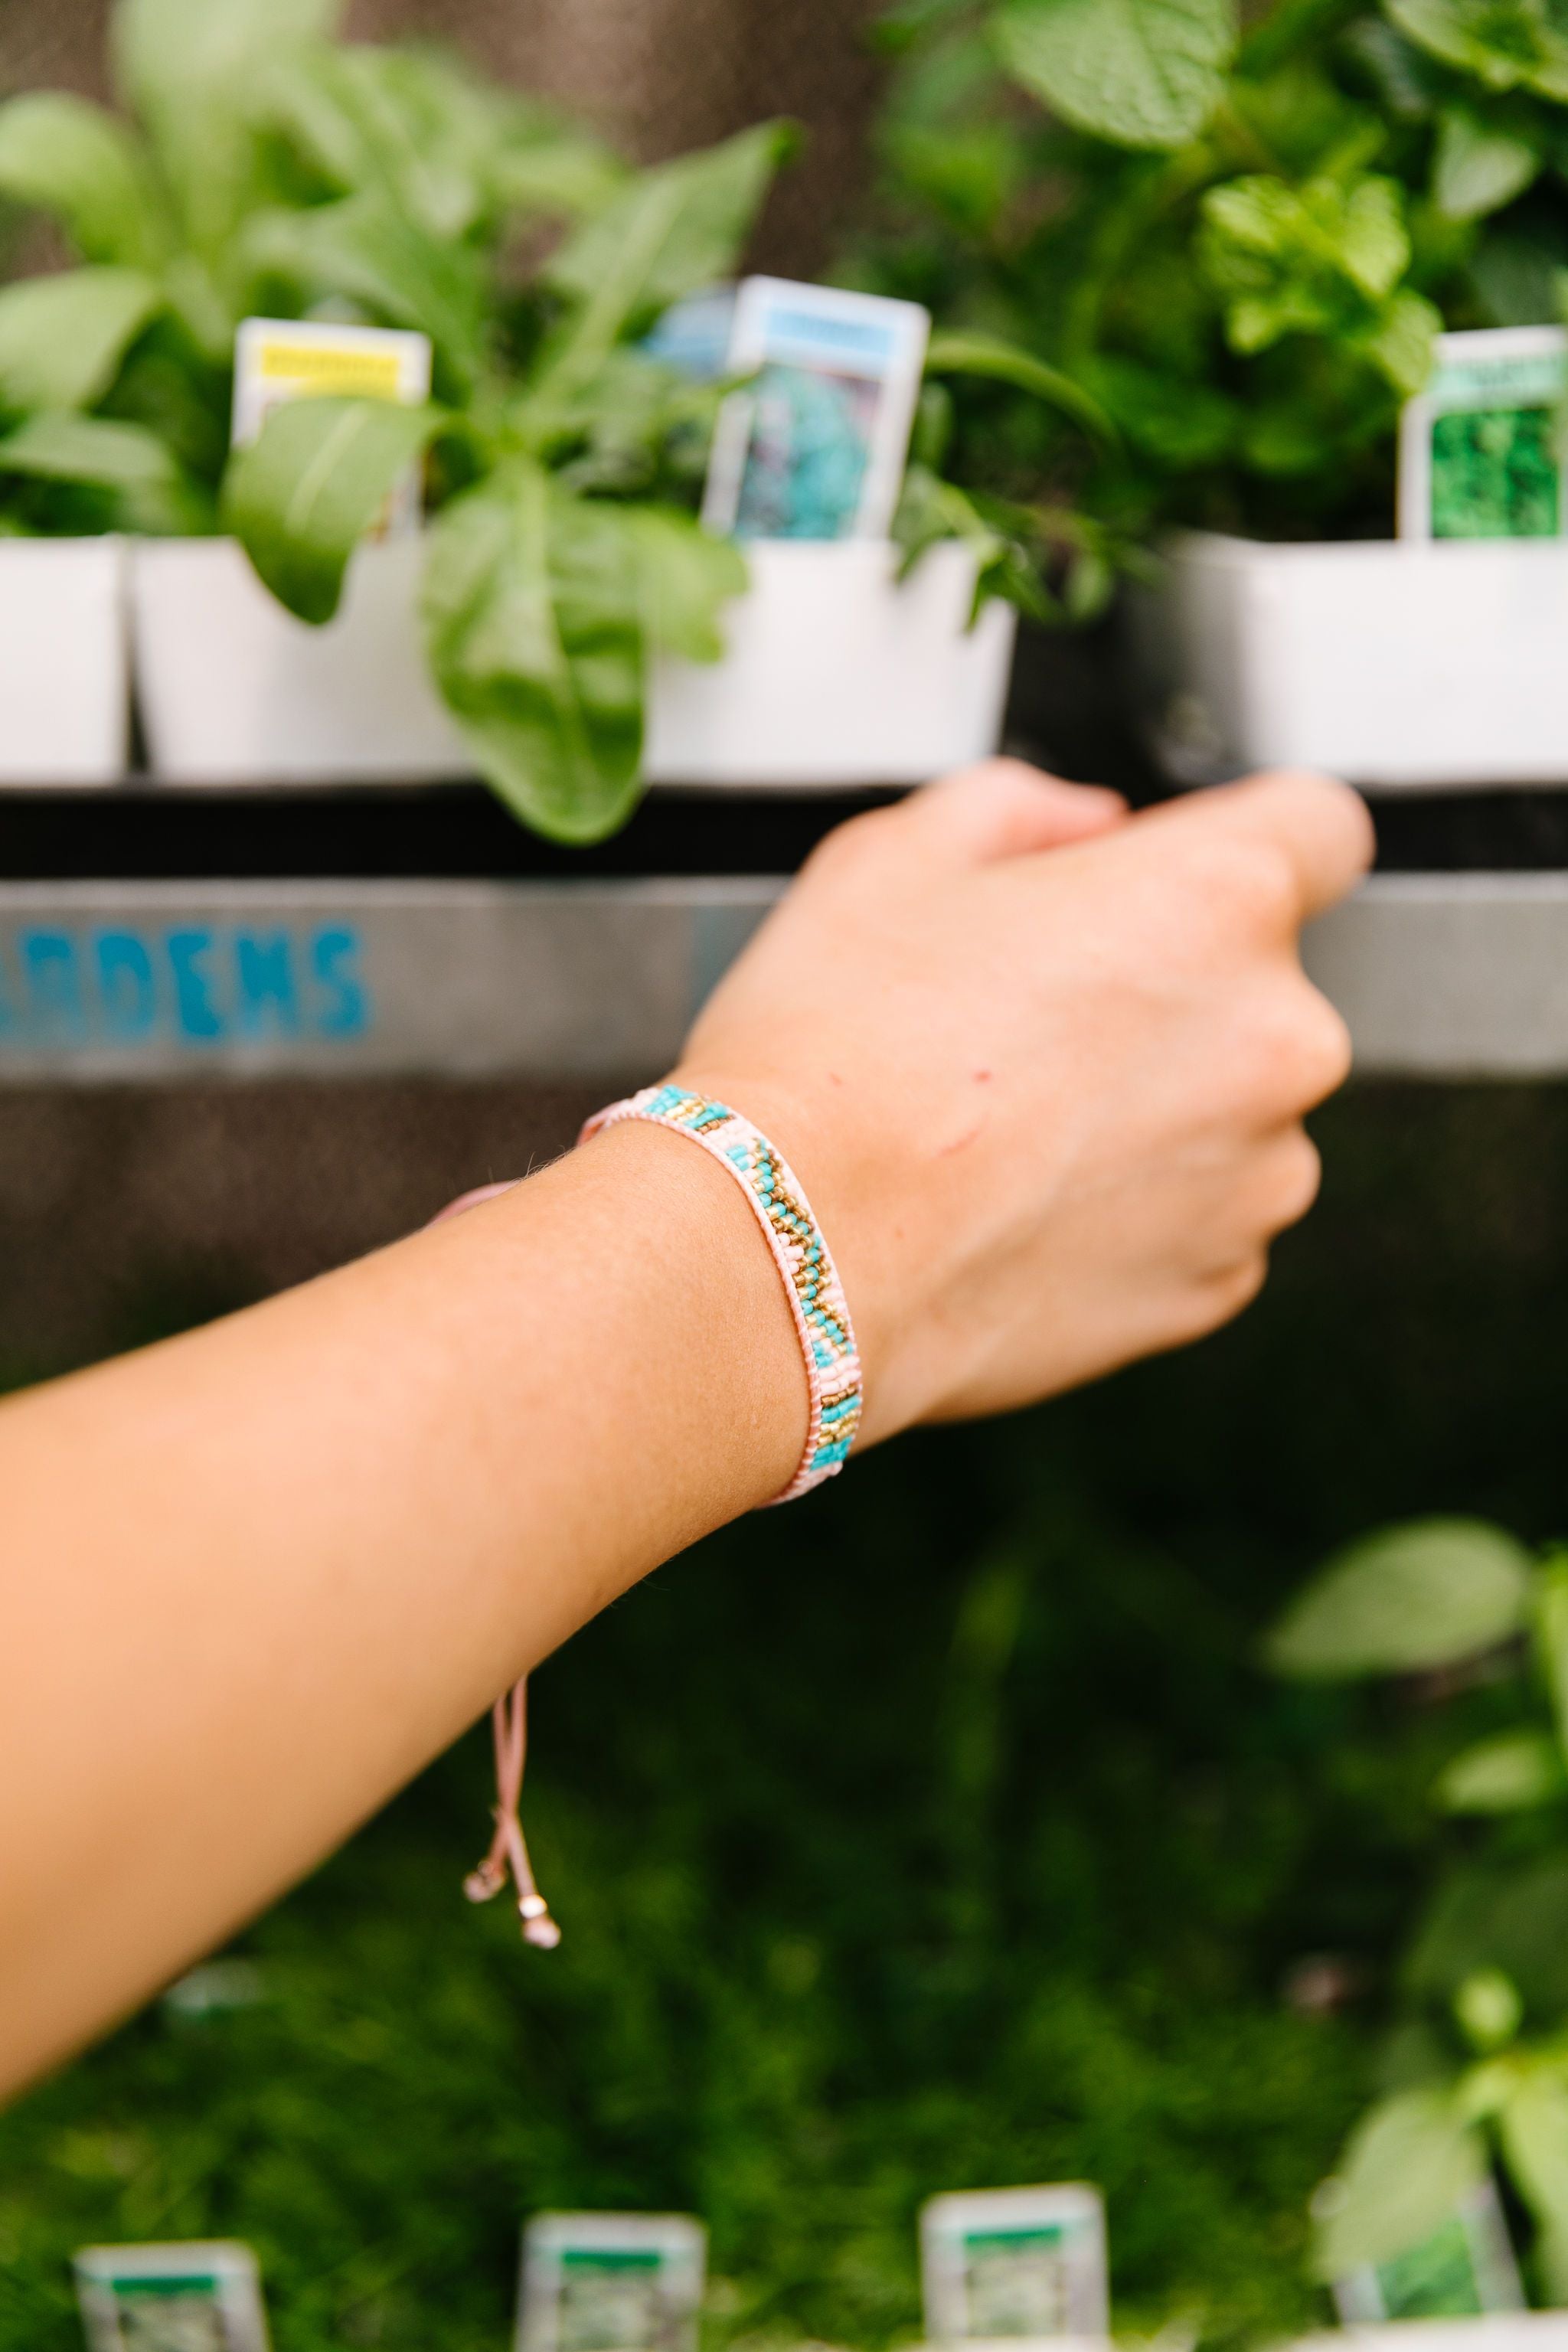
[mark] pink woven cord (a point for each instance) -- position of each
(509, 1727)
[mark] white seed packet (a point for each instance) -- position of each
(277, 360)
(176, 2298)
(1011, 2263)
(1481, 449)
(814, 446)
(1464, 2268)
(611, 2282)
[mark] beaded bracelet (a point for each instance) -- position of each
(811, 1283)
(832, 1361)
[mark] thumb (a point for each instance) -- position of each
(1005, 808)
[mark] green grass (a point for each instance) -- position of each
(938, 1834)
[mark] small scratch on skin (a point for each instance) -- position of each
(961, 1142)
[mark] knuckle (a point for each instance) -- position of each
(1251, 876)
(845, 849)
(1299, 1047)
(1295, 1178)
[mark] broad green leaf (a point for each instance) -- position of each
(1424, 1594)
(191, 70)
(1478, 168)
(60, 446)
(62, 339)
(669, 231)
(1550, 1615)
(1406, 2168)
(89, 169)
(1533, 2128)
(1504, 44)
(1142, 73)
(1005, 362)
(1501, 1775)
(305, 492)
(361, 247)
(688, 576)
(533, 614)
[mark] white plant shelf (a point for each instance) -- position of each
(1440, 976)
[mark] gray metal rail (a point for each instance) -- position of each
(1440, 976)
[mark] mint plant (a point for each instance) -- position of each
(1239, 242)
(259, 166)
(1478, 2067)
(563, 554)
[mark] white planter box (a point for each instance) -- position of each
(1395, 663)
(835, 675)
(64, 692)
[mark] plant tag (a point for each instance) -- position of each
(1011, 2263)
(1462, 2270)
(611, 2282)
(183, 2298)
(814, 447)
(301, 359)
(693, 335)
(1481, 449)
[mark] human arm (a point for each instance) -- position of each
(1039, 1071)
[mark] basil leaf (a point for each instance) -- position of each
(1424, 1594)
(62, 339)
(672, 229)
(1500, 1775)
(1533, 2128)
(191, 70)
(305, 492)
(1408, 2163)
(532, 613)
(151, 493)
(87, 169)
(1503, 44)
(1005, 362)
(1478, 168)
(1142, 73)
(686, 577)
(361, 246)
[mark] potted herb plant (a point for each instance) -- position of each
(1243, 244)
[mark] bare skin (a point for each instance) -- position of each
(1041, 1069)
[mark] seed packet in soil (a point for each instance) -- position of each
(175, 2298)
(1014, 2263)
(611, 2282)
(1464, 2268)
(813, 445)
(1481, 449)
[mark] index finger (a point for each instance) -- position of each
(1321, 827)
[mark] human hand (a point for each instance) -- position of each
(1041, 1068)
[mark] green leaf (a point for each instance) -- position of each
(191, 69)
(1424, 1594)
(62, 339)
(1503, 44)
(1174, 423)
(1406, 2168)
(1487, 2010)
(1478, 168)
(1551, 1627)
(305, 492)
(59, 447)
(1142, 73)
(669, 231)
(1401, 341)
(1533, 2128)
(1005, 362)
(89, 169)
(363, 247)
(1500, 1775)
(687, 576)
(533, 616)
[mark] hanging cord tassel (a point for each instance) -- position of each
(509, 1852)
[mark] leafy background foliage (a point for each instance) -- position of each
(943, 1832)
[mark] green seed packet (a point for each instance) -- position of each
(1481, 449)
(1014, 2263)
(1463, 2270)
(611, 2282)
(178, 2299)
